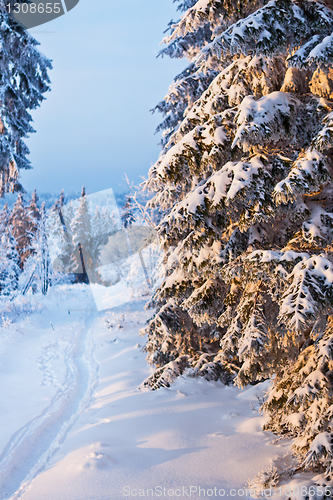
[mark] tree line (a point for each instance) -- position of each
(39, 247)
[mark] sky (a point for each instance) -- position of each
(95, 125)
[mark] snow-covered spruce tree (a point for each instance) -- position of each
(209, 15)
(81, 232)
(128, 213)
(60, 239)
(23, 81)
(173, 180)
(86, 247)
(9, 258)
(33, 212)
(40, 257)
(247, 191)
(196, 28)
(21, 224)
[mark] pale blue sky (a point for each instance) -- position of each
(95, 124)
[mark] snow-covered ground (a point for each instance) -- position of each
(75, 425)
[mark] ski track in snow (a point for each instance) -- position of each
(38, 440)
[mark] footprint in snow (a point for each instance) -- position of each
(50, 353)
(97, 460)
(94, 461)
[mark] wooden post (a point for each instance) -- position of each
(85, 278)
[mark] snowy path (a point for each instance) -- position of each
(75, 426)
(67, 366)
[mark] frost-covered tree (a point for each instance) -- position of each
(59, 236)
(33, 212)
(21, 224)
(246, 190)
(86, 246)
(82, 239)
(40, 257)
(128, 214)
(9, 258)
(301, 401)
(61, 200)
(23, 81)
(186, 38)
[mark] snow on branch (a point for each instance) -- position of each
(246, 76)
(201, 20)
(306, 176)
(321, 55)
(271, 118)
(313, 384)
(307, 286)
(232, 179)
(277, 26)
(254, 335)
(299, 58)
(310, 288)
(185, 4)
(188, 45)
(203, 301)
(274, 256)
(322, 446)
(185, 152)
(186, 156)
(264, 31)
(203, 12)
(324, 139)
(165, 375)
(183, 92)
(318, 228)
(314, 54)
